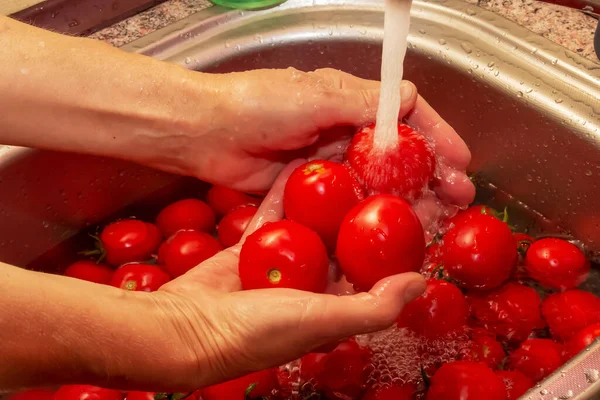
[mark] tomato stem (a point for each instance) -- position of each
(274, 276)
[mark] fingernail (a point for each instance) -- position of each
(406, 89)
(414, 289)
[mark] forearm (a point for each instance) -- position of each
(58, 330)
(74, 94)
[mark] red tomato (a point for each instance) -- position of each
(432, 253)
(341, 372)
(284, 254)
(140, 396)
(380, 237)
(90, 271)
(404, 171)
(185, 250)
(512, 311)
(318, 195)
(465, 380)
(516, 383)
(224, 200)
(86, 392)
(581, 340)
(393, 392)
(569, 312)
(33, 394)
(479, 253)
(256, 385)
(536, 358)
(484, 348)
(523, 241)
(188, 214)
(556, 263)
(440, 310)
(469, 213)
(233, 225)
(129, 240)
(139, 277)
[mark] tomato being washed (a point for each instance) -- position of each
(391, 392)
(90, 271)
(440, 310)
(483, 347)
(581, 340)
(536, 358)
(466, 380)
(380, 237)
(479, 253)
(129, 240)
(284, 254)
(189, 214)
(86, 392)
(569, 312)
(404, 171)
(318, 195)
(185, 250)
(516, 383)
(224, 200)
(139, 277)
(252, 386)
(233, 225)
(556, 263)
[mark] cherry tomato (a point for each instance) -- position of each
(392, 392)
(484, 348)
(139, 277)
(536, 358)
(465, 380)
(440, 310)
(556, 263)
(284, 254)
(516, 383)
(466, 215)
(90, 271)
(140, 396)
(581, 340)
(479, 253)
(129, 240)
(318, 195)
(233, 225)
(187, 214)
(523, 242)
(86, 392)
(185, 250)
(432, 253)
(33, 394)
(569, 312)
(224, 200)
(512, 311)
(404, 170)
(380, 237)
(341, 372)
(253, 386)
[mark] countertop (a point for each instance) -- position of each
(567, 27)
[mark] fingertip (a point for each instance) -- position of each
(455, 187)
(408, 92)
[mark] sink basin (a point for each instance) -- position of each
(528, 109)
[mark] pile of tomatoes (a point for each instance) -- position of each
(512, 298)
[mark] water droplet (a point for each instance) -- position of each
(519, 94)
(422, 31)
(491, 64)
(588, 172)
(73, 23)
(188, 60)
(555, 61)
(529, 90)
(442, 41)
(534, 50)
(558, 100)
(228, 43)
(544, 392)
(467, 49)
(470, 11)
(496, 73)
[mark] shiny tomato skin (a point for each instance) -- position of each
(224, 200)
(188, 214)
(441, 309)
(233, 225)
(512, 311)
(266, 383)
(466, 215)
(536, 358)
(479, 253)
(465, 380)
(139, 277)
(185, 250)
(284, 254)
(580, 341)
(129, 240)
(86, 392)
(516, 383)
(556, 263)
(569, 312)
(484, 348)
(318, 195)
(381, 236)
(90, 271)
(404, 170)
(523, 241)
(140, 396)
(392, 392)
(32, 394)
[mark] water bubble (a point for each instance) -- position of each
(519, 94)
(442, 41)
(555, 61)
(529, 90)
(534, 50)
(558, 100)
(588, 172)
(496, 73)
(491, 64)
(467, 49)
(188, 60)
(591, 375)
(422, 31)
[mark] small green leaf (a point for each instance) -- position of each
(161, 396)
(250, 389)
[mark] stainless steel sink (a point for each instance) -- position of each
(528, 109)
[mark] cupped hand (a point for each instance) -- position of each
(229, 332)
